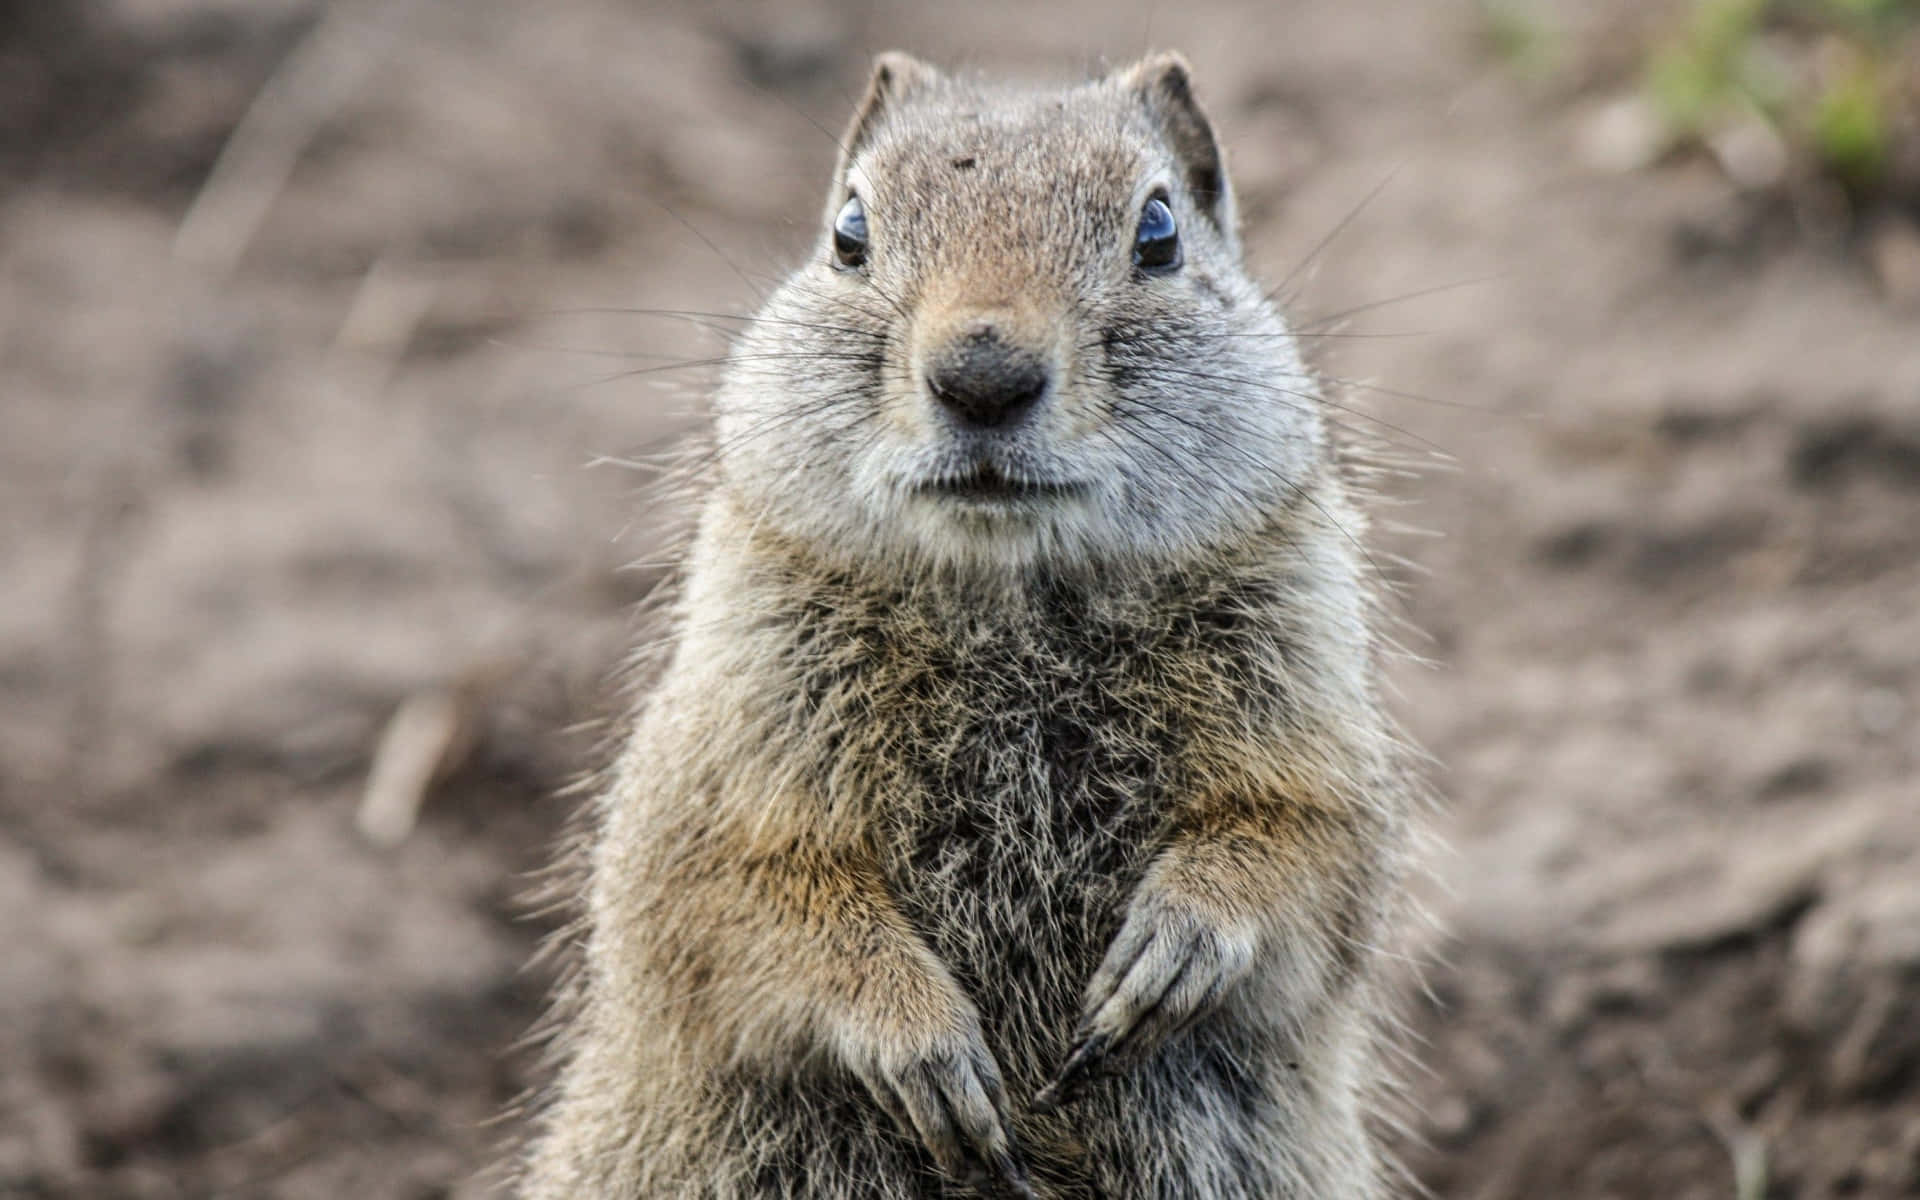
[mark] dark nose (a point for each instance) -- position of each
(984, 380)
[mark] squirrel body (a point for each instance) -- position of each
(1015, 813)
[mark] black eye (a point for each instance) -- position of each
(1156, 245)
(850, 234)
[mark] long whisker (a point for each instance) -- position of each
(846, 302)
(1309, 398)
(716, 361)
(1134, 418)
(689, 466)
(1257, 465)
(1327, 240)
(1363, 385)
(1148, 338)
(695, 315)
(588, 351)
(710, 244)
(1182, 464)
(1335, 318)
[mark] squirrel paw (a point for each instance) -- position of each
(1168, 967)
(948, 1093)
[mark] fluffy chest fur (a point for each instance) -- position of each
(1021, 754)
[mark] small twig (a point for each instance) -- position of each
(1746, 1146)
(429, 735)
(420, 743)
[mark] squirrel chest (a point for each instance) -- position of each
(1032, 749)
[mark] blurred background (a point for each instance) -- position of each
(326, 403)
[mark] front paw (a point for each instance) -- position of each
(945, 1089)
(1170, 965)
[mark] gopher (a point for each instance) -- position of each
(1015, 813)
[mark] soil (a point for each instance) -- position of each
(327, 387)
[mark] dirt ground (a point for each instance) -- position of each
(322, 389)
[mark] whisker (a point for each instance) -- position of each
(579, 351)
(688, 314)
(1147, 338)
(1336, 317)
(716, 361)
(1309, 398)
(1327, 240)
(1296, 488)
(707, 455)
(709, 243)
(847, 303)
(1124, 417)
(1363, 385)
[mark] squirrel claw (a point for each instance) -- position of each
(1084, 1062)
(1167, 968)
(1010, 1178)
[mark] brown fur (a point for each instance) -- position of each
(936, 801)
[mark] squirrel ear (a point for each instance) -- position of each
(895, 75)
(1163, 83)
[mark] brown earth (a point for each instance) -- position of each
(297, 432)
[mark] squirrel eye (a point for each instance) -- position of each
(1156, 244)
(850, 234)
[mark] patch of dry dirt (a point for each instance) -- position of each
(266, 470)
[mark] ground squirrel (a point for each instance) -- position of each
(1015, 813)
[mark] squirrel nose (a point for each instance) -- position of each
(984, 380)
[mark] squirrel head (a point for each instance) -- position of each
(1025, 334)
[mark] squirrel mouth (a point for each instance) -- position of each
(985, 483)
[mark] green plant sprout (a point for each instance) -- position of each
(1824, 74)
